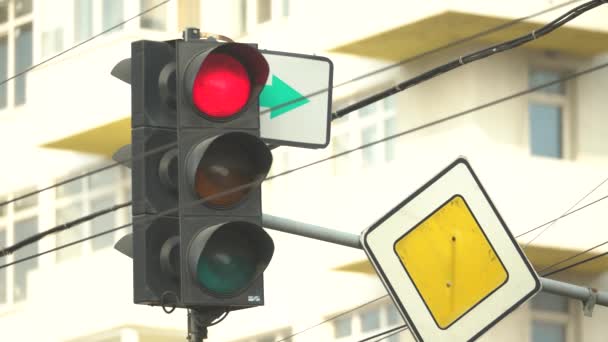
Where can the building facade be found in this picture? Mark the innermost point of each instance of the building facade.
(537, 154)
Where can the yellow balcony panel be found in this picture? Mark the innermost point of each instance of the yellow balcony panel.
(439, 30)
(102, 140)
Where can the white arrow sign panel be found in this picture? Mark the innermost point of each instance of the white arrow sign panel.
(295, 104)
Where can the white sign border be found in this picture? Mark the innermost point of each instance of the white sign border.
(329, 90)
(522, 283)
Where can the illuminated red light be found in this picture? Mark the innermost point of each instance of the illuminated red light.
(221, 87)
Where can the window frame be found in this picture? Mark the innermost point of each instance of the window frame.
(565, 101)
(119, 189)
(7, 224)
(553, 317)
(8, 30)
(353, 126)
(356, 322)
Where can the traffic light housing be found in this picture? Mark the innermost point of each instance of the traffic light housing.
(154, 243)
(221, 163)
(197, 163)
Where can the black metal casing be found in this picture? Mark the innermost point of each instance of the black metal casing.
(197, 129)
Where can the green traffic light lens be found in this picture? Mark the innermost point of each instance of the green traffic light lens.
(226, 267)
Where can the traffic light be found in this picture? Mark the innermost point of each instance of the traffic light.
(221, 163)
(154, 244)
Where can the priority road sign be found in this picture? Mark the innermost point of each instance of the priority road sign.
(296, 101)
(448, 259)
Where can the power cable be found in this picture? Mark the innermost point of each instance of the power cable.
(565, 213)
(64, 226)
(409, 131)
(90, 173)
(357, 78)
(381, 334)
(344, 313)
(472, 57)
(450, 117)
(575, 264)
(454, 44)
(572, 257)
(568, 214)
(82, 43)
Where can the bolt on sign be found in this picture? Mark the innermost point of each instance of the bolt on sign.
(448, 259)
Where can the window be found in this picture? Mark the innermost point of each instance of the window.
(103, 223)
(277, 335)
(99, 191)
(18, 220)
(83, 20)
(390, 128)
(370, 320)
(27, 202)
(264, 10)
(550, 318)
(3, 11)
(65, 214)
(52, 41)
(23, 59)
(548, 115)
(3, 271)
(3, 70)
(369, 135)
(156, 19)
(393, 319)
(343, 327)
(364, 126)
(22, 229)
(113, 13)
(367, 322)
(339, 145)
(23, 7)
(242, 17)
(16, 42)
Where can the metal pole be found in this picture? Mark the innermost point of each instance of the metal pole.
(198, 322)
(588, 295)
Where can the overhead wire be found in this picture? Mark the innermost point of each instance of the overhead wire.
(421, 78)
(390, 331)
(565, 213)
(475, 56)
(562, 216)
(59, 228)
(584, 261)
(92, 172)
(342, 314)
(572, 257)
(357, 78)
(23, 72)
(409, 131)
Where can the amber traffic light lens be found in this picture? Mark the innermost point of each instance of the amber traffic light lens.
(224, 176)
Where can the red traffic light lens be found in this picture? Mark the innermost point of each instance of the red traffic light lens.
(221, 87)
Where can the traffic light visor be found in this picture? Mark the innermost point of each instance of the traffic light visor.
(222, 170)
(225, 259)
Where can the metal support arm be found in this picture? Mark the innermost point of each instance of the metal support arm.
(589, 296)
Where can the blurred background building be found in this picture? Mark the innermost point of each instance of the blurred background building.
(537, 155)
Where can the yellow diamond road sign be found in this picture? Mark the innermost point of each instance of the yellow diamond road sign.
(448, 259)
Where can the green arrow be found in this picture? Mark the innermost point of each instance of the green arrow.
(279, 93)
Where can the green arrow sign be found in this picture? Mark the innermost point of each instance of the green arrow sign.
(279, 93)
